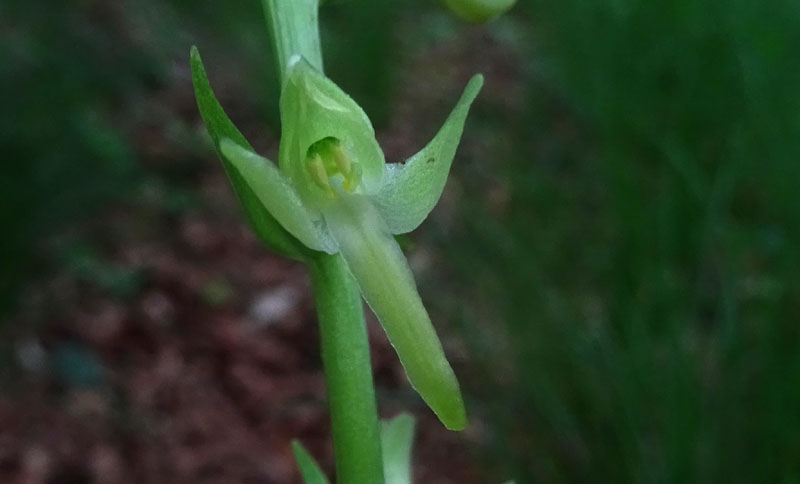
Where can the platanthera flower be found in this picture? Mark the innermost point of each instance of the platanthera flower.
(332, 192)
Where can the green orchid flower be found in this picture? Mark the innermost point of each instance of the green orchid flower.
(332, 192)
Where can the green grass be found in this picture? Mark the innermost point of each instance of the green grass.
(64, 151)
(643, 274)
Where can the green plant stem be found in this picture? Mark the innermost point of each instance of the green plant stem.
(294, 27)
(345, 354)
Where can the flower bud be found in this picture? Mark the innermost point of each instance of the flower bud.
(479, 11)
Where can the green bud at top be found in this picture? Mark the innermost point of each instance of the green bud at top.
(479, 11)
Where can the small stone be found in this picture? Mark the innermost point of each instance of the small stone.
(272, 306)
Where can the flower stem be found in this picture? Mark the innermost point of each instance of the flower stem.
(294, 28)
(345, 354)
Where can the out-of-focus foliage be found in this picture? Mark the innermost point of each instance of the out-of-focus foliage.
(361, 54)
(642, 260)
(74, 83)
(62, 152)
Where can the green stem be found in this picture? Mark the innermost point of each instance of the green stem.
(345, 354)
(294, 27)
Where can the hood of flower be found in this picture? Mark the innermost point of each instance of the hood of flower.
(328, 145)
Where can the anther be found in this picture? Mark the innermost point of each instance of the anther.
(316, 168)
(353, 179)
(342, 161)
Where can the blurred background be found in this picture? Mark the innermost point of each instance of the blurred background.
(614, 267)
